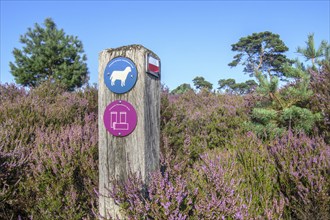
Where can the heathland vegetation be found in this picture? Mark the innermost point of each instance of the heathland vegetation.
(252, 150)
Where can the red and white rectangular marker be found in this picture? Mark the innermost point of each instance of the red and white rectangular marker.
(153, 65)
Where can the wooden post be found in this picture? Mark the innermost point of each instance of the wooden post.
(139, 151)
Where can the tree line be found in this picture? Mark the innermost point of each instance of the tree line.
(50, 55)
(263, 54)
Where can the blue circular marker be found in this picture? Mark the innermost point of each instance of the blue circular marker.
(120, 75)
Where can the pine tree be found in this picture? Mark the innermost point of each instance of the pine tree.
(201, 84)
(310, 52)
(50, 55)
(230, 86)
(278, 108)
(181, 89)
(283, 108)
(261, 52)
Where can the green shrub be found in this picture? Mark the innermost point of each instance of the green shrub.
(301, 119)
(193, 123)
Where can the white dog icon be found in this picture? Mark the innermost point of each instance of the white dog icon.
(120, 75)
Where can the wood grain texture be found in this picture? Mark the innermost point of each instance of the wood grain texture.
(138, 151)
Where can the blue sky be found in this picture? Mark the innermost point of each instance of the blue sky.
(192, 38)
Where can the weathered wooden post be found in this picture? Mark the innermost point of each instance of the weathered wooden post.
(129, 117)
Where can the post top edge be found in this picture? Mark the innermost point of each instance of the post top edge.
(129, 47)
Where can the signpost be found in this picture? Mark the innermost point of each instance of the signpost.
(129, 117)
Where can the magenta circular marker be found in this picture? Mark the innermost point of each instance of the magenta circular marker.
(120, 118)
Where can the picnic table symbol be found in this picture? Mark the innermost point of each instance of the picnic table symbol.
(120, 118)
(118, 123)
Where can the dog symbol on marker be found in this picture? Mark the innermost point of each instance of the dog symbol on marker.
(120, 75)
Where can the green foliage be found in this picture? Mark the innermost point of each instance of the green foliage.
(301, 119)
(267, 86)
(49, 55)
(183, 88)
(280, 109)
(257, 172)
(200, 83)
(232, 87)
(264, 116)
(193, 123)
(260, 52)
(325, 63)
(226, 83)
(310, 52)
